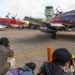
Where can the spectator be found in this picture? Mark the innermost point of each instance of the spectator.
(5, 53)
(29, 69)
(5, 42)
(61, 60)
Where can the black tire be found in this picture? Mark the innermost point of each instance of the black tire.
(53, 35)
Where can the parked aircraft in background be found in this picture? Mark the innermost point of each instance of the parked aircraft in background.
(12, 22)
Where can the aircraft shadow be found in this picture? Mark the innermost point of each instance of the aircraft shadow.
(45, 38)
(66, 37)
(34, 39)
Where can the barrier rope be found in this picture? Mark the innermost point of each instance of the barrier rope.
(29, 54)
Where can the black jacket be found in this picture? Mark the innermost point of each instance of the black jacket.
(50, 69)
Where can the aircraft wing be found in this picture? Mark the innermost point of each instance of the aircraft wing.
(36, 20)
(2, 27)
(44, 27)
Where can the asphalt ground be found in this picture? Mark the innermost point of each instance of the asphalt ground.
(33, 41)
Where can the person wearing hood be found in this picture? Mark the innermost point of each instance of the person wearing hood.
(61, 60)
(5, 42)
(28, 69)
(5, 54)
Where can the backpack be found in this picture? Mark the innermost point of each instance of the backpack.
(16, 71)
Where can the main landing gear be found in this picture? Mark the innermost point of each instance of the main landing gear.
(53, 35)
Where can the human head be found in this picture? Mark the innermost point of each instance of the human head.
(31, 65)
(4, 41)
(61, 57)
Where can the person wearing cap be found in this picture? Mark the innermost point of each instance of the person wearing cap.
(61, 60)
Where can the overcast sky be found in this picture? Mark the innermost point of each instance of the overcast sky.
(34, 8)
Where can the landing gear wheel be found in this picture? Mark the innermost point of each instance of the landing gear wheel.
(53, 35)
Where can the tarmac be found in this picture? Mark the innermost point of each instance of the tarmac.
(27, 41)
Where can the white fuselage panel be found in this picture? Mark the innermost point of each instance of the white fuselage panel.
(56, 24)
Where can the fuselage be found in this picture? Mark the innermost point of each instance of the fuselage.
(59, 23)
(7, 21)
(63, 20)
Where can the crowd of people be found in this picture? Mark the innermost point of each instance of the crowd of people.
(61, 61)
